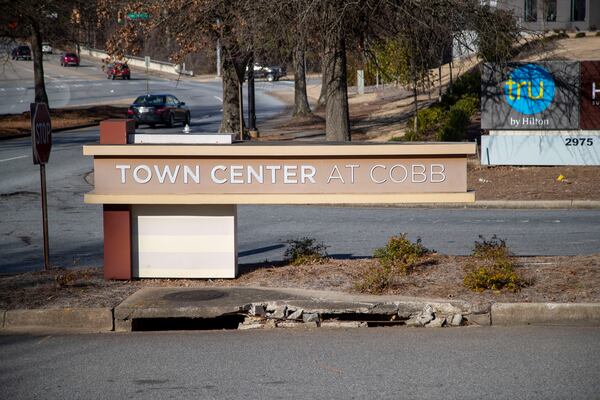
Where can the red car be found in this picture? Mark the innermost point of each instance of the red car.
(69, 59)
(118, 70)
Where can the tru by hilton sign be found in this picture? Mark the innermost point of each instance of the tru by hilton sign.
(551, 95)
(196, 176)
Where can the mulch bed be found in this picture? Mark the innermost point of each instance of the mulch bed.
(555, 279)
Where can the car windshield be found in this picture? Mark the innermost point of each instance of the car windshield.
(150, 100)
(70, 55)
(24, 48)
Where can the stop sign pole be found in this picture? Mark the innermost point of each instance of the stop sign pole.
(41, 141)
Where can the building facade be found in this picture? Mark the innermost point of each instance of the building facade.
(540, 15)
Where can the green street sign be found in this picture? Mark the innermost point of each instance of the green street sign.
(138, 15)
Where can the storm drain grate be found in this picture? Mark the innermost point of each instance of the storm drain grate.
(187, 324)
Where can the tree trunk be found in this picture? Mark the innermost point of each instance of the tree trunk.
(231, 112)
(38, 66)
(301, 106)
(416, 101)
(415, 93)
(337, 118)
(324, 77)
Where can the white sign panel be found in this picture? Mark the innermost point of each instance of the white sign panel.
(579, 149)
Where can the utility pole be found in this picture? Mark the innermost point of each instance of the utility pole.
(251, 105)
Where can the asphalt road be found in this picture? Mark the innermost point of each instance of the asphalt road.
(380, 363)
(76, 228)
(87, 85)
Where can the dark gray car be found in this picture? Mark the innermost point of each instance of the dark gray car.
(152, 109)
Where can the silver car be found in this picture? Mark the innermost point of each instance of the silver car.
(46, 48)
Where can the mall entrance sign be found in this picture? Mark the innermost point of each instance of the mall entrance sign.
(170, 211)
(543, 113)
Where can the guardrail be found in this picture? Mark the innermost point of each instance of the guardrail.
(135, 61)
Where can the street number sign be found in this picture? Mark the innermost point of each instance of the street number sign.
(41, 132)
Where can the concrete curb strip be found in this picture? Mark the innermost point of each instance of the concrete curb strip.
(93, 319)
(546, 314)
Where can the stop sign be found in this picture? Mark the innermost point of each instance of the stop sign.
(41, 132)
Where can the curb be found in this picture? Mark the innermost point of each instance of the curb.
(495, 204)
(89, 319)
(573, 314)
(500, 314)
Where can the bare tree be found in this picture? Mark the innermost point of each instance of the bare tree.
(36, 22)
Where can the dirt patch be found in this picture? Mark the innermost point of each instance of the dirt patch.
(533, 183)
(555, 279)
(16, 125)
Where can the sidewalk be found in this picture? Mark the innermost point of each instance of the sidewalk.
(264, 308)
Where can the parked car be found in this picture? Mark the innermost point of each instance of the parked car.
(46, 48)
(271, 73)
(69, 59)
(21, 53)
(117, 70)
(153, 109)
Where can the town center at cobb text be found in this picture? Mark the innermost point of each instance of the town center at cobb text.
(280, 173)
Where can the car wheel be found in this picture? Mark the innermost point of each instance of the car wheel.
(270, 78)
(137, 125)
(151, 126)
(171, 122)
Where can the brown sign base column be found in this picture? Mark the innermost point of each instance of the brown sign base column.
(117, 241)
(117, 217)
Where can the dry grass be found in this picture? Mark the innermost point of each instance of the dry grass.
(15, 125)
(555, 279)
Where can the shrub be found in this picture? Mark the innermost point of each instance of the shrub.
(468, 103)
(398, 256)
(580, 34)
(400, 253)
(597, 33)
(497, 276)
(411, 136)
(495, 248)
(493, 268)
(455, 128)
(593, 28)
(427, 120)
(304, 251)
(466, 84)
(376, 280)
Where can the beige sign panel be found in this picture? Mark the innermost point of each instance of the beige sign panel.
(345, 176)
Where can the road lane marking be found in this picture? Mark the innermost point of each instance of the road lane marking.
(13, 158)
(218, 98)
